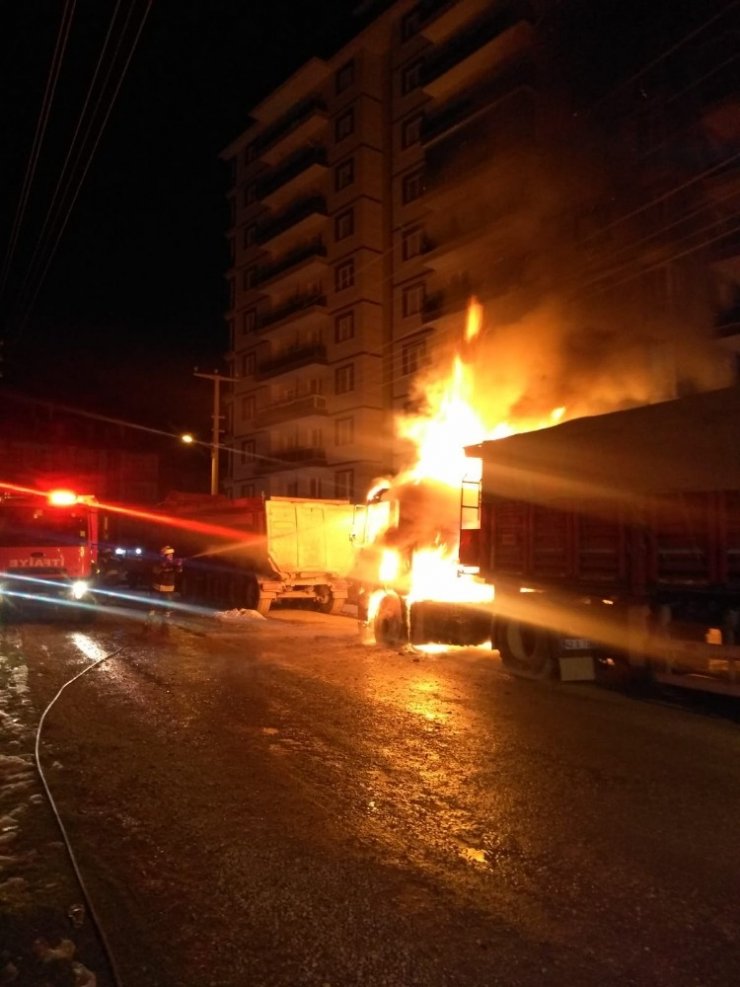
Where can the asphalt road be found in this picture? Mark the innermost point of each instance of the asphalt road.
(274, 803)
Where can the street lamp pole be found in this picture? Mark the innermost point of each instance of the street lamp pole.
(217, 378)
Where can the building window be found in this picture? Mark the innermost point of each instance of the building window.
(413, 299)
(411, 130)
(411, 242)
(249, 277)
(248, 449)
(231, 166)
(250, 193)
(344, 174)
(344, 327)
(410, 24)
(344, 224)
(249, 407)
(411, 77)
(249, 320)
(314, 487)
(413, 357)
(344, 484)
(344, 379)
(249, 364)
(250, 235)
(344, 431)
(232, 250)
(344, 125)
(345, 76)
(232, 292)
(247, 490)
(413, 185)
(250, 153)
(344, 275)
(291, 488)
(232, 210)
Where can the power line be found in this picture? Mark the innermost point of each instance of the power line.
(40, 241)
(23, 321)
(51, 82)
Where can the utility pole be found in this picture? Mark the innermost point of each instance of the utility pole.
(217, 378)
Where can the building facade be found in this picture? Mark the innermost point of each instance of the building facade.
(442, 153)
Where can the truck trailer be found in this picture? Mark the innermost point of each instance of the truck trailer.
(251, 552)
(616, 539)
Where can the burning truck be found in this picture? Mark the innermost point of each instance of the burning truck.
(609, 540)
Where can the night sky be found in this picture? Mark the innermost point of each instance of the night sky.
(134, 295)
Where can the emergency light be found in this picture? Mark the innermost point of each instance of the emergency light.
(62, 498)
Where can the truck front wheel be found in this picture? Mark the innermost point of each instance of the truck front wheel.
(526, 650)
(389, 625)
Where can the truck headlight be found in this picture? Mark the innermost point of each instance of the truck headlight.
(79, 589)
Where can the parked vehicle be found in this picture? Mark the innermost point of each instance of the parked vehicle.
(48, 553)
(610, 539)
(253, 552)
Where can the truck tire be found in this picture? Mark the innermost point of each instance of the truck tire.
(526, 650)
(327, 602)
(252, 596)
(389, 625)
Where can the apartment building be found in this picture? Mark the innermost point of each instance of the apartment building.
(431, 158)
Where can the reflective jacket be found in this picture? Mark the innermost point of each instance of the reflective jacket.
(163, 575)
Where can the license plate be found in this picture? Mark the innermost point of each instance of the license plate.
(575, 644)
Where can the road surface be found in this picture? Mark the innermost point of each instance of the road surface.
(273, 803)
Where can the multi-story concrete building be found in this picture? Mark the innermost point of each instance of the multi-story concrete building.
(431, 157)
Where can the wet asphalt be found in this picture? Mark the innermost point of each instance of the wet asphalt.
(272, 802)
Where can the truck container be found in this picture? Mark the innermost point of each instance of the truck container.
(250, 552)
(616, 539)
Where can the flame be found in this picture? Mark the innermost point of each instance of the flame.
(454, 417)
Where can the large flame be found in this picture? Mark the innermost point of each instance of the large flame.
(453, 418)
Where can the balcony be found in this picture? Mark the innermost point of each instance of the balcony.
(474, 52)
(299, 406)
(305, 167)
(442, 18)
(291, 359)
(300, 456)
(306, 217)
(472, 105)
(301, 124)
(298, 305)
(299, 258)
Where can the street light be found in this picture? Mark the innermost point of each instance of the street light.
(216, 377)
(187, 439)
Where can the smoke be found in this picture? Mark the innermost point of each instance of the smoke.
(587, 254)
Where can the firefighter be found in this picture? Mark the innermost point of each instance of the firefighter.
(164, 576)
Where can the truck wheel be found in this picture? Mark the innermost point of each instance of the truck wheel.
(250, 591)
(389, 625)
(326, 602)
(526, 650)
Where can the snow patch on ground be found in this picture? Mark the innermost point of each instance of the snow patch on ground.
(239, 615)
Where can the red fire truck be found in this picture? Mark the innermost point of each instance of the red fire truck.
(48, 553)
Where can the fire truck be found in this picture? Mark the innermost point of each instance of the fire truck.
(48, 553)
(612, 542)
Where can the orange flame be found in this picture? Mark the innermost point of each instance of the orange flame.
(453, 419)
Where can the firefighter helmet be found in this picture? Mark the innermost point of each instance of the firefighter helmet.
(167, 550)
